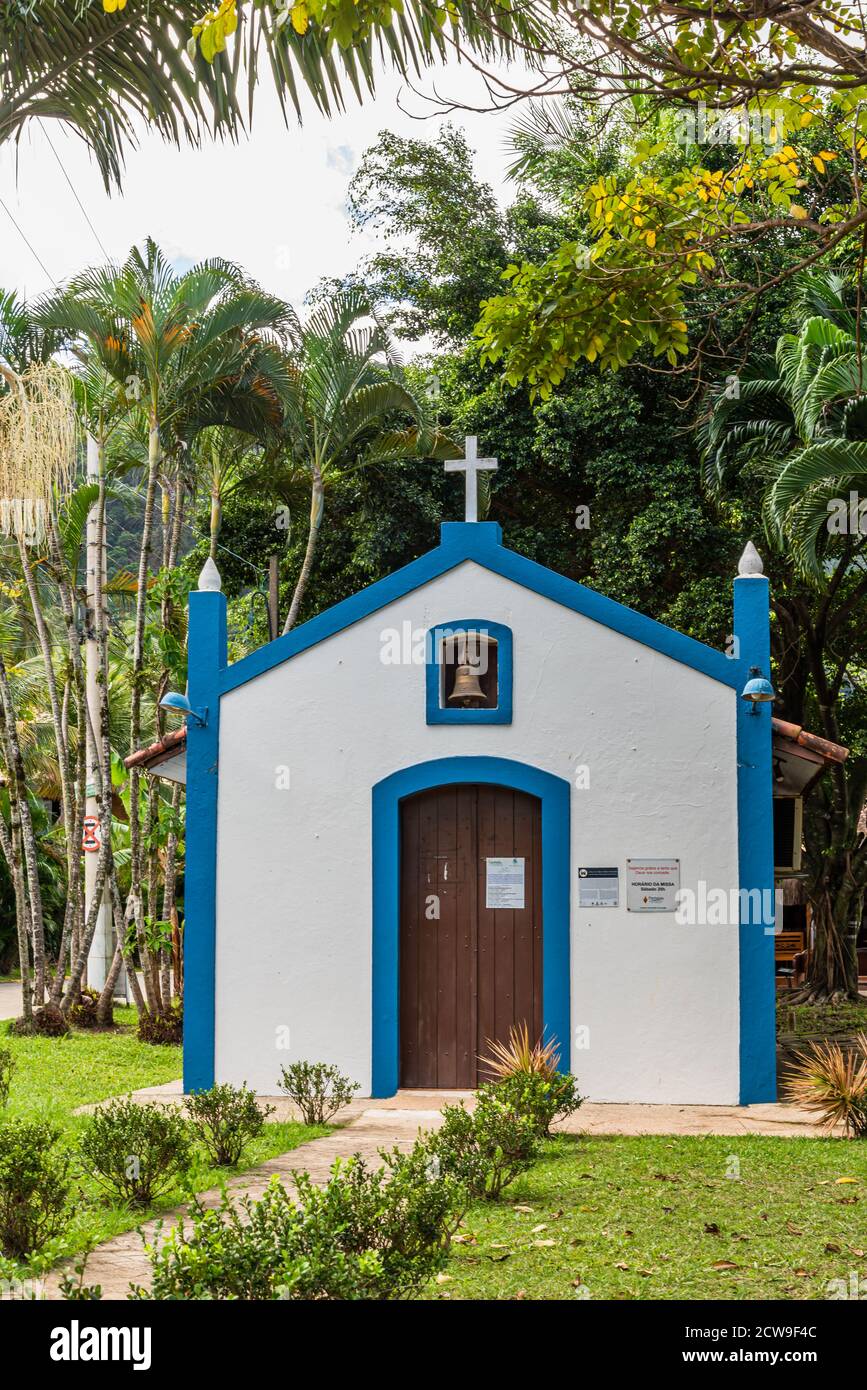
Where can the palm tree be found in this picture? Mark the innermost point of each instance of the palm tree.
(796, 424)
(224, 460)
(97, 70)
(182, 352)
(346, 407)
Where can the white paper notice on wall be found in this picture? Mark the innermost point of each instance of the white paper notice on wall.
(598, 887)
(652, 885)
(504, 883)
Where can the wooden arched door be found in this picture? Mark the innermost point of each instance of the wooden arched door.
(468, 970)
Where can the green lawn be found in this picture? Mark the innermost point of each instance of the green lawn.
(53, 1077)
(611, 1217)
(832, 1020)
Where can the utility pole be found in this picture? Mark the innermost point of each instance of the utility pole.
(102, 947)
(273, 596)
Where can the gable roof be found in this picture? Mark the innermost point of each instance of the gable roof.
(481, 542)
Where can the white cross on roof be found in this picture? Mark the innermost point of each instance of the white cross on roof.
(471, 466)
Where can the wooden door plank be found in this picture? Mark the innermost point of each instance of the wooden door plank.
(408, 953)
(538, 1016)
(486, 953)
(465, 941)
(446, 935)
(504, 922)
(525, 983)
(427, 947)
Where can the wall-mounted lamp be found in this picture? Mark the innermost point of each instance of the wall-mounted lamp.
(179, 704)
(758, 690)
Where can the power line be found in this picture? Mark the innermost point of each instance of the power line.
(74, 194)
(28, 244)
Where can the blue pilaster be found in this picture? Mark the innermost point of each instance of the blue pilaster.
(206, 662)
(755, 848)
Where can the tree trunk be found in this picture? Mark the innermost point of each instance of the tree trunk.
(10, 842)
(170, 911)
(106, 998)
(70, 936)
(54, 701)
(317, 503)
(101, 764)
(18, 795)
(832, 963)
(135, 707)
(216, 517)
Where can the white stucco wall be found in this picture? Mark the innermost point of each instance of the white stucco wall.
(660, 999)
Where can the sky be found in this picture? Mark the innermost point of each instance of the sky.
(275, 203)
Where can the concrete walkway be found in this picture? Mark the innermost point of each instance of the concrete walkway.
(371, 1125)
(10, 1000)
(594, 1117)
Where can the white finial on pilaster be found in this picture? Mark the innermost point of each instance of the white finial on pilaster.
(750, 564)
(209, 579)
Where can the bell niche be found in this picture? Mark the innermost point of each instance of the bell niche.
(470, 670)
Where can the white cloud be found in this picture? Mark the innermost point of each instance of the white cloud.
(275, 202)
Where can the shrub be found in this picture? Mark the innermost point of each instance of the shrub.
(7, 1067)
(34, 1185)
(225, 1119)
(83, 1012)
(163, 1029)
(318, 1089)
(136, 1152)
(368, 1234)
(520, 1056)
(833, 1084)
(543, 1099)
(49, 1022)
(484, 1150)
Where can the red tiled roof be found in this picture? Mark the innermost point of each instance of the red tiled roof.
(166, 747)
(829, 752)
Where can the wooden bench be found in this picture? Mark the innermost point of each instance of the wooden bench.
(790, 956)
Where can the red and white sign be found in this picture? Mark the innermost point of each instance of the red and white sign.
(90, 840)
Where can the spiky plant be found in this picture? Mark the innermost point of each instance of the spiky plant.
(521, 1057)
(37, 446)
(832, 1084)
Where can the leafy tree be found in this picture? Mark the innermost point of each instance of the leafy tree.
(162, 357)
(786, 91)
(98, 68)
(796, 427)
(99, 65)
(344, 408)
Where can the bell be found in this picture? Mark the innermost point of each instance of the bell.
(466, 689)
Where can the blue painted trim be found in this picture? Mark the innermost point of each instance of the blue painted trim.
(554, 794)
(206, 661)
(437, 713)
(481, 542)
(758, 1079)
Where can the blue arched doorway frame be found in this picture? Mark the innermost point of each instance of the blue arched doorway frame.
(554, 794)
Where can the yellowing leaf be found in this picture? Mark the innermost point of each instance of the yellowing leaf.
(300, 19)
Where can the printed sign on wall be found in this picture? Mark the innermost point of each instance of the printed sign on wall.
(652, 885)
(598, 887)
(504, 883)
